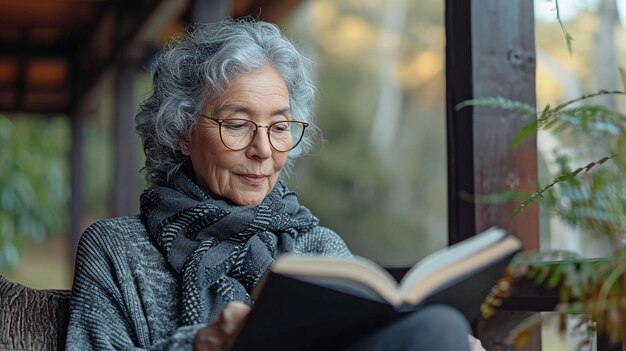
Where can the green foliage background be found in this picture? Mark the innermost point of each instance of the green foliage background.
(389, 207)
(33, 182)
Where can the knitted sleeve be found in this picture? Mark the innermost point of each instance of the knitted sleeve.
(321, 241)
(106, 312)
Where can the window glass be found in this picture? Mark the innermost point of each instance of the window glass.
(379, 177)
(598, 49)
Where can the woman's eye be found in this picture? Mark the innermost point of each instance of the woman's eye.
(280, 127)
(235, 125)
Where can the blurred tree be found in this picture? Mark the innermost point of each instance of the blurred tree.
(379, 179)
(33, 182)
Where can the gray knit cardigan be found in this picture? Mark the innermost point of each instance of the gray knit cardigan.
(126, 296)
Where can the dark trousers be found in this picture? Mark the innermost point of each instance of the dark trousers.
(436, 328)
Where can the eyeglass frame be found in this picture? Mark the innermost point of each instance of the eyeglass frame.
(219, 122)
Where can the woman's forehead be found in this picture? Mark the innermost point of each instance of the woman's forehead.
(259, 89)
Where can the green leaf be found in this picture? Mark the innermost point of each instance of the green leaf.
(585, 97)
(527, 131)
(542, 274)
(496, 198)
(561, 178)
(556, 277)
(568, 37)
(514, 106)
(33, 182)
(9, 255)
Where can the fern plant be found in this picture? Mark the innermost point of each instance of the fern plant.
(590, 197)
(593, 201)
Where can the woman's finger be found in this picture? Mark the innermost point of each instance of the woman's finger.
(233, 316)
(220, 334)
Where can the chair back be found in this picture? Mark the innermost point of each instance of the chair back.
(32, 319)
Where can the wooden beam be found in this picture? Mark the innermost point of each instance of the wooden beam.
(20, 84)
(266, 10)
(43, 111)
(26, 48)
(48, 14)
(142, 25)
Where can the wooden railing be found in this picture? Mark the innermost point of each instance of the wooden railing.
(531, 297)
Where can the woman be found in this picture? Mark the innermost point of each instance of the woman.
(230, 110)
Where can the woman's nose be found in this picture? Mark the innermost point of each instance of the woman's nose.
(261, 146)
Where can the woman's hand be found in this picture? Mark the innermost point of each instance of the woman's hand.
(220, 333)
(475, 344)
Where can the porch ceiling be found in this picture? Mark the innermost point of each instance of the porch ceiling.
(54, 53)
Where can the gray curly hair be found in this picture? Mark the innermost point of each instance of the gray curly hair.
(202, 63)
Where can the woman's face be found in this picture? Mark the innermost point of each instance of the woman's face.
(244, 177)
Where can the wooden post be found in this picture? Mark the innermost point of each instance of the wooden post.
(125, 195)
(604, 344)
(483, 62)
(490, 51)
(459, 128)
(76, 183)
(206, 11)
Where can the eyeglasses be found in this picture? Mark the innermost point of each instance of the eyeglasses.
(237, 134)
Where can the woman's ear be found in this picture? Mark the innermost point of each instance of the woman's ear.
(184, 147)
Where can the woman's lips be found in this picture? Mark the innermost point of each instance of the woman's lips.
(253, 178)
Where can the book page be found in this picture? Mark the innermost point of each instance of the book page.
(359, 269)
(417, 289)
(451, 254)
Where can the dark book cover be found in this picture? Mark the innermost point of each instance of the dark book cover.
(291, 314)
(295, 314)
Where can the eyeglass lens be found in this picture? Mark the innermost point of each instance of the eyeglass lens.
(238, 134)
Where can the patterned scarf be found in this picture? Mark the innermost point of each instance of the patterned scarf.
(220, 250)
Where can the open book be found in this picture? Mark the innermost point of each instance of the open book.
(312, 302)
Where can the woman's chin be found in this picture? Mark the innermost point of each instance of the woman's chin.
(249, 197)
(248, 193)
(249, 200)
